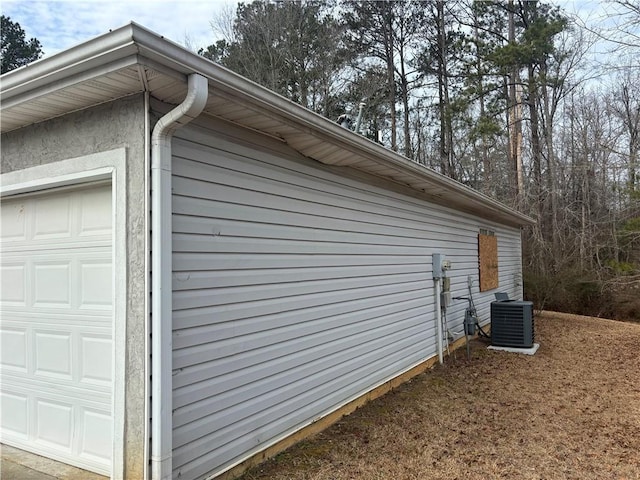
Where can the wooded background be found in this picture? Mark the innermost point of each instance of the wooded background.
(517, 99)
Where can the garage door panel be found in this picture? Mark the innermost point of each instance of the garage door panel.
(14, 348)
(95, 361)
(74, 278)
(54, 248)
(95, 213)
(54, 423)
(13, 278)
(13, 222)
(90, 321)
(58, 219)
(95, 284)
(57, 322)
(53, 355)
(51, 217)
(87, 395)
(95, 440)
(17, 423)
(52, 284)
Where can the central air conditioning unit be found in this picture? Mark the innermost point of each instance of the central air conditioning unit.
(512, 324)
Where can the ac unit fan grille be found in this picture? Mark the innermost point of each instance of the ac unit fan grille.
(512, 324)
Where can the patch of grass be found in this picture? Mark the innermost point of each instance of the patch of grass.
(315, 449)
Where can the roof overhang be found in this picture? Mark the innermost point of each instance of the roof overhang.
(132, 59)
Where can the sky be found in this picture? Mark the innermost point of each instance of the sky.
(61, 24)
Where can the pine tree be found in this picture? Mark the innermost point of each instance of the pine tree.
(293, 48)
(15, 50)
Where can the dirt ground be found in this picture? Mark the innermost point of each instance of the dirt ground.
(571, 411)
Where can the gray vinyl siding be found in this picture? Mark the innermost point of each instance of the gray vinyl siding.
(297, 289)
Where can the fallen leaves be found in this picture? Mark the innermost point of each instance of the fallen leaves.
(572, 411)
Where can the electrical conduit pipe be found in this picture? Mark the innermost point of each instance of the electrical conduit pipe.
(161, 273)
(438, 317)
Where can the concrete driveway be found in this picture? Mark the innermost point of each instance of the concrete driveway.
(20, 465)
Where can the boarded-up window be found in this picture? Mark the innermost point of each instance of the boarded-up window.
(488, 260)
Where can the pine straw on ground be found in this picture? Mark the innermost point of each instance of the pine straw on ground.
(572, 411)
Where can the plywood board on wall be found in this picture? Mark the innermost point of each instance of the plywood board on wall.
(488, 261)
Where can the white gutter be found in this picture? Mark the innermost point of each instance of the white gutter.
(161, 274)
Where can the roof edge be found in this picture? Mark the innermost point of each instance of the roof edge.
(112, 45)
(223, 78)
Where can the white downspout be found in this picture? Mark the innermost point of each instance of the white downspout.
(147, 283)
(161, 273)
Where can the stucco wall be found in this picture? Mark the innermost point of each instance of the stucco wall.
(102, 128)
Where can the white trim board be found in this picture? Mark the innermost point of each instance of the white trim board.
(109, 165)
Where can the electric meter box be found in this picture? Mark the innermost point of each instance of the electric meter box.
(440, 265)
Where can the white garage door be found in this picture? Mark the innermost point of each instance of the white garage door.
(56, 306)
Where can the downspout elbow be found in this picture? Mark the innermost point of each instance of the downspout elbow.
(189, 109)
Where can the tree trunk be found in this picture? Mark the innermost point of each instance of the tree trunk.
(515, 118)
(404, 93)
(391, 78)
(487, 184)
(632, 121)
(446, 134)
(551, 171)
(536, 148)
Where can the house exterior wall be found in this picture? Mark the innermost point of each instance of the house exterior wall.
(299, 287)
(106, 127)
